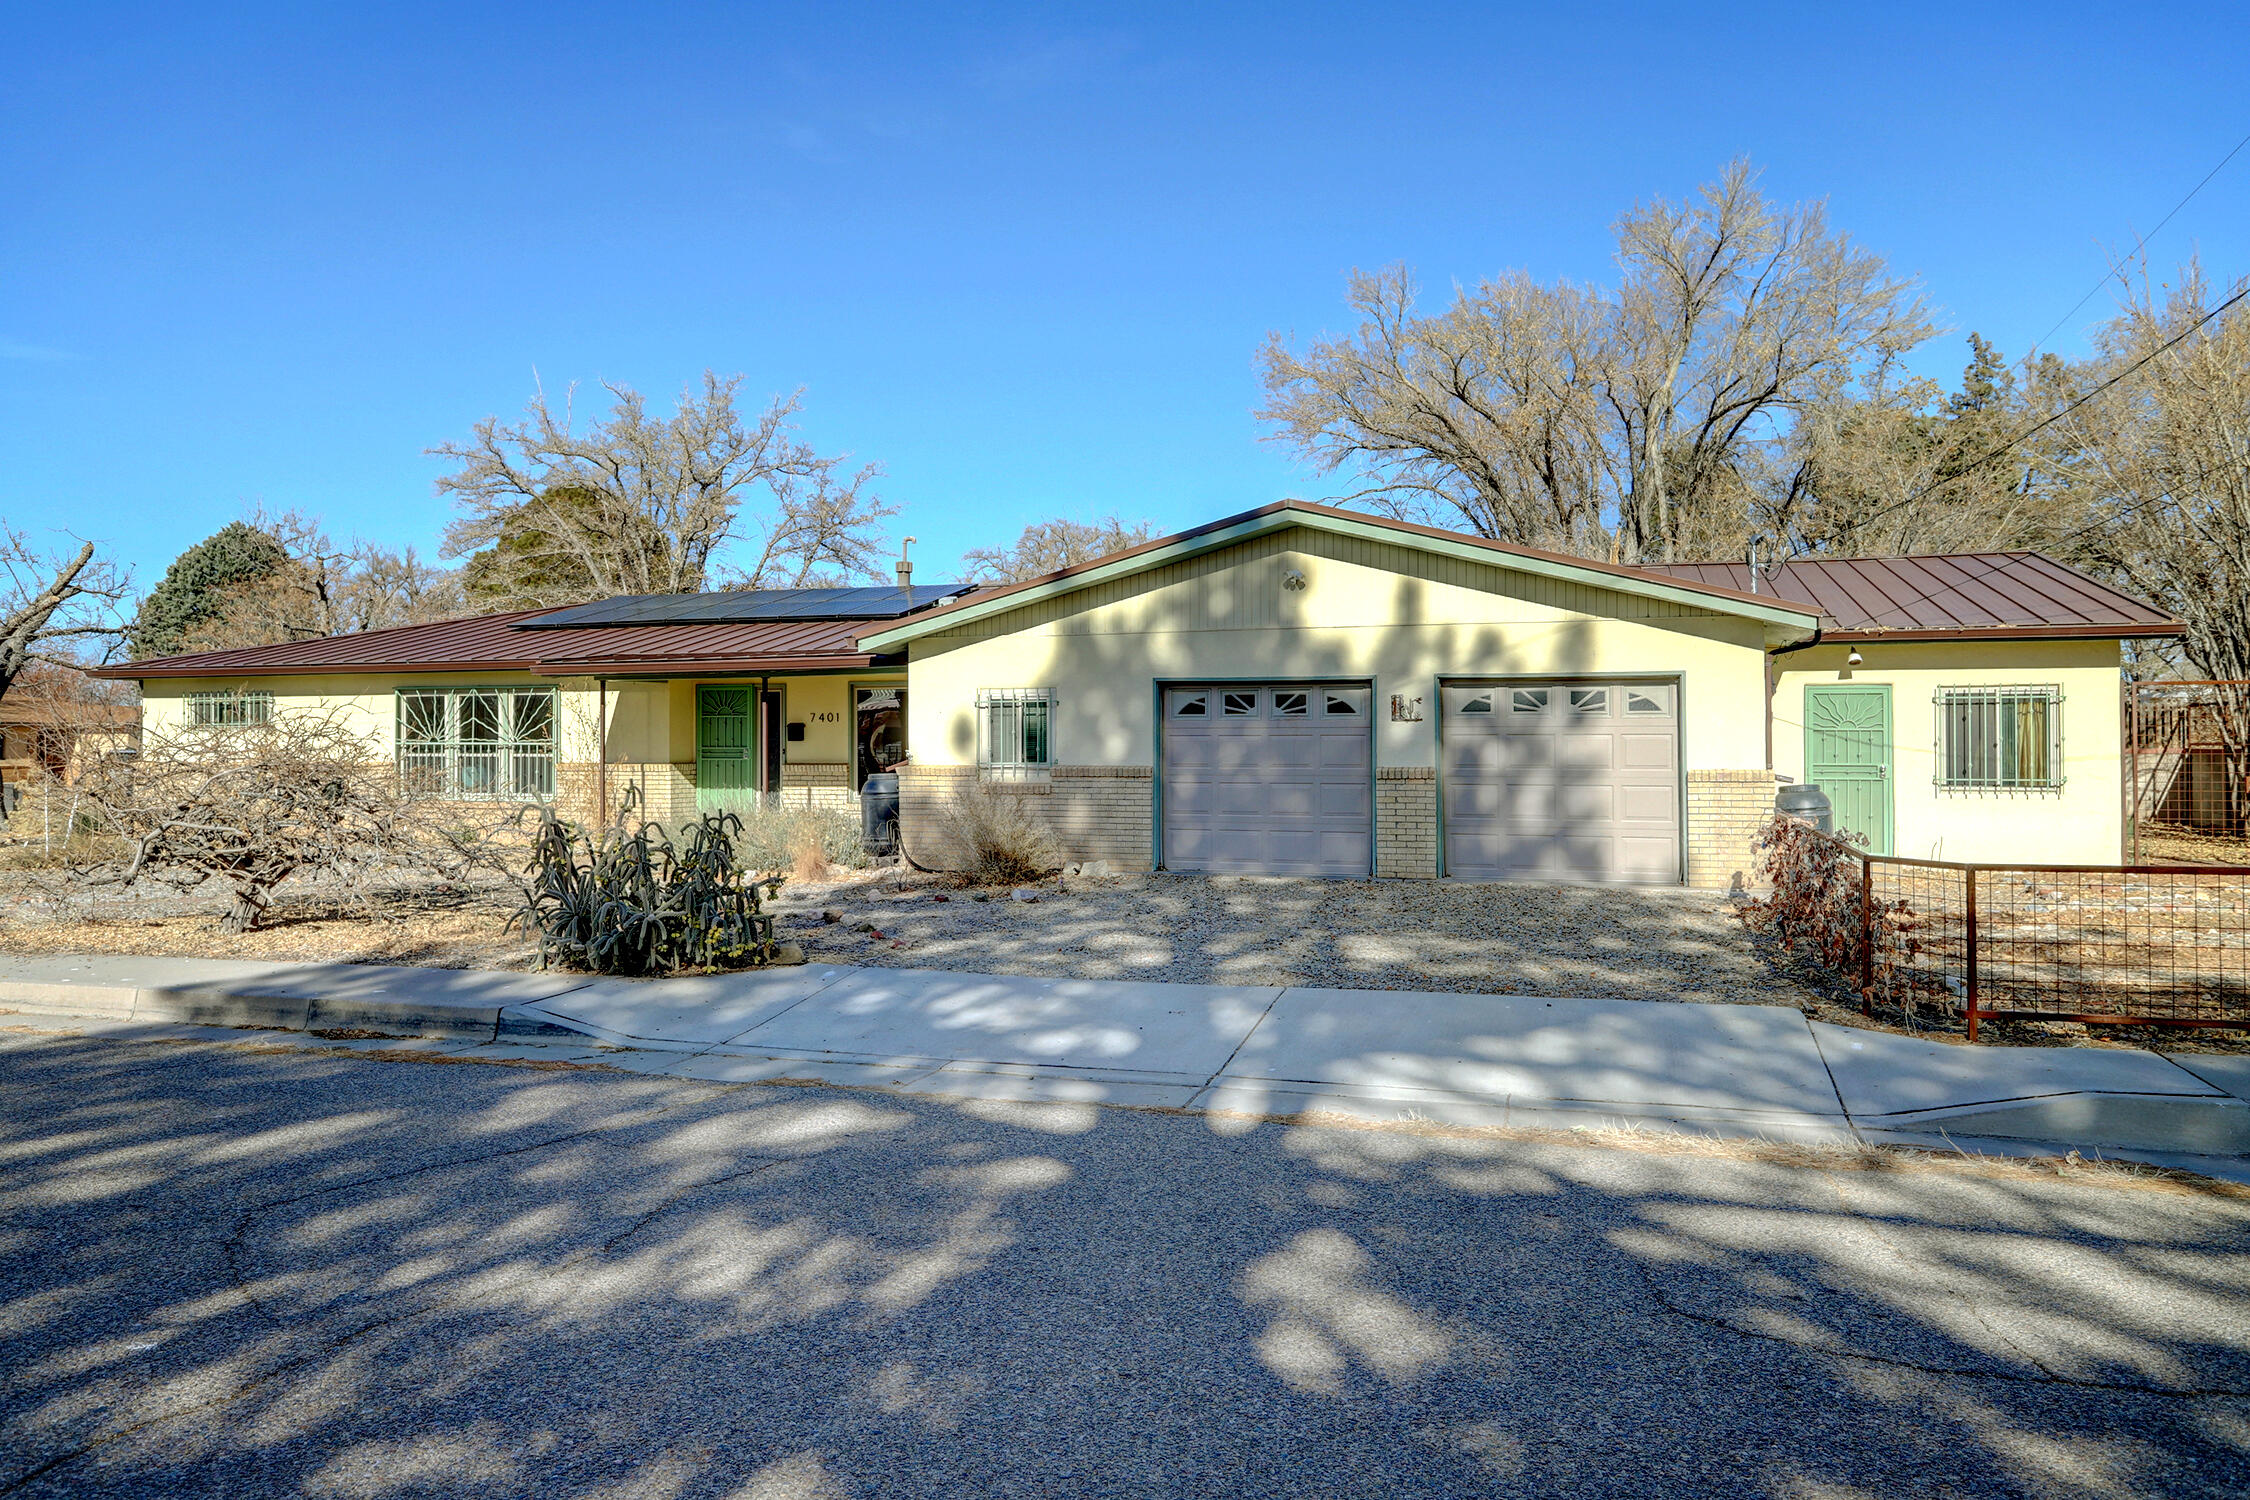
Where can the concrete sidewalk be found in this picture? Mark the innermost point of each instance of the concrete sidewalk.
(1383, 1055)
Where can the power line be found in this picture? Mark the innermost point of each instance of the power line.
(2049, 421)
(2138, 242)
(2072, 535)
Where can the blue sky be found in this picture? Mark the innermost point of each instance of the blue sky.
(1021, 257)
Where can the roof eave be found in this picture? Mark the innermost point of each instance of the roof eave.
(2010, 633)
(1270, 518)
(620, 666)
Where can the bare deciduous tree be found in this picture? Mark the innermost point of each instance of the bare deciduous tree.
(322, 589)
(53, 606)
(634, 504)
(249, 806)
(1601, 421)
(2166, 479)
(1050, 546)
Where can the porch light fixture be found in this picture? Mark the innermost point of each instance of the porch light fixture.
(1853, 659)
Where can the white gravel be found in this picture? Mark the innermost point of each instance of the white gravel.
(1632, 944)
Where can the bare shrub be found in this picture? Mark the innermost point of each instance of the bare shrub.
(1816, 904)
(249, 806)
(1000, 842)
(811, 843)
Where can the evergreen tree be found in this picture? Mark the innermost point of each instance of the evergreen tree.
(199, 583)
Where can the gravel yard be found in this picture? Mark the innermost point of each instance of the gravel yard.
(1518, 939)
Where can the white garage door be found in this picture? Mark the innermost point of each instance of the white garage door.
(1268, 780)
(1563, 780)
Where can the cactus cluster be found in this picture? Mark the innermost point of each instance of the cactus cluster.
(634, 904)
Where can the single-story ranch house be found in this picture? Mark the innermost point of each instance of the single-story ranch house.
(1295, 690)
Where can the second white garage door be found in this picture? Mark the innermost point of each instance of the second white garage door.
(1563, 780)
(1268, 780)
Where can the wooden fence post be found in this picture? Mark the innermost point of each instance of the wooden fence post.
(1971, 875)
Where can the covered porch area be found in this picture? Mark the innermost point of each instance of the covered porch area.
(669, 749)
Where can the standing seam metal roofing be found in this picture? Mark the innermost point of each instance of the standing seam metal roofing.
(494, 643)
(1963, 594)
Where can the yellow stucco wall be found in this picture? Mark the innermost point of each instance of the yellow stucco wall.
(1398, 615)
(368, 703)
(2079, 823)
(650, 720)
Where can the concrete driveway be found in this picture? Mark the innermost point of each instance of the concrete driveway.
(227, 1272)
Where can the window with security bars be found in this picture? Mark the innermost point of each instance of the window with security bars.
(1015, 730)
(229, 710)
(2000, 738)
(478, 742)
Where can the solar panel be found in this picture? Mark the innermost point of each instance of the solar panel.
(744, 606)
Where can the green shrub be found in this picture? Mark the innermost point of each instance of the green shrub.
(633, 904)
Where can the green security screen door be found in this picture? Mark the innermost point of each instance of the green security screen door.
(1848, 756)
(726, 741)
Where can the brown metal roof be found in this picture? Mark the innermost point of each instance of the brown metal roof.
(1970, 595)
(489, 643)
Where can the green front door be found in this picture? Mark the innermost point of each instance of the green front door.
(726, 747)
(1848, 756)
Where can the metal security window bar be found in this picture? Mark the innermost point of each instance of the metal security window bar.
(1013, 730)
(478, 742)
(2000, 738)
(229, 710)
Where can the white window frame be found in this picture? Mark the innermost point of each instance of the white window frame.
(1005, 742)
(229, 710)
(506, 768)
(1988, 713)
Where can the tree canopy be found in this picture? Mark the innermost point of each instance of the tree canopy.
(199, 583)
(1630, 421)
(631, 503)
(1047, 546)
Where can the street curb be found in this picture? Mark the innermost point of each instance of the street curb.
(255, 1009)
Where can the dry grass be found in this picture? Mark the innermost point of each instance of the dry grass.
(433, 932)
(2169, 844)
(1001, 843)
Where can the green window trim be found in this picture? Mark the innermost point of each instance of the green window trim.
(479, 743)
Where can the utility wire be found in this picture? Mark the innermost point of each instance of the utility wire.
(2049, 421)
(2138, 242)
(2069, 536)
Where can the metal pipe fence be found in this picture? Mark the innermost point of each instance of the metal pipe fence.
(2148, 945)
(2187, 772)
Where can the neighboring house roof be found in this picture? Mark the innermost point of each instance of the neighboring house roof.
(39, 713)
(495, 643)
(1788, 614)
(1963, 596)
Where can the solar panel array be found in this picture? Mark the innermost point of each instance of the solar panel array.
(744, 606)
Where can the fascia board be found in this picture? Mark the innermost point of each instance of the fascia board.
(1646, 587)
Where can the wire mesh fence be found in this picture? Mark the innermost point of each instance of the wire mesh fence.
(2187, 784)
(2146, 944)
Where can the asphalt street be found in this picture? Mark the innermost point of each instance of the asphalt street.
(242, 1273)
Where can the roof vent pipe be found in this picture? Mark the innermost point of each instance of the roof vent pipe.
(905, 569)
